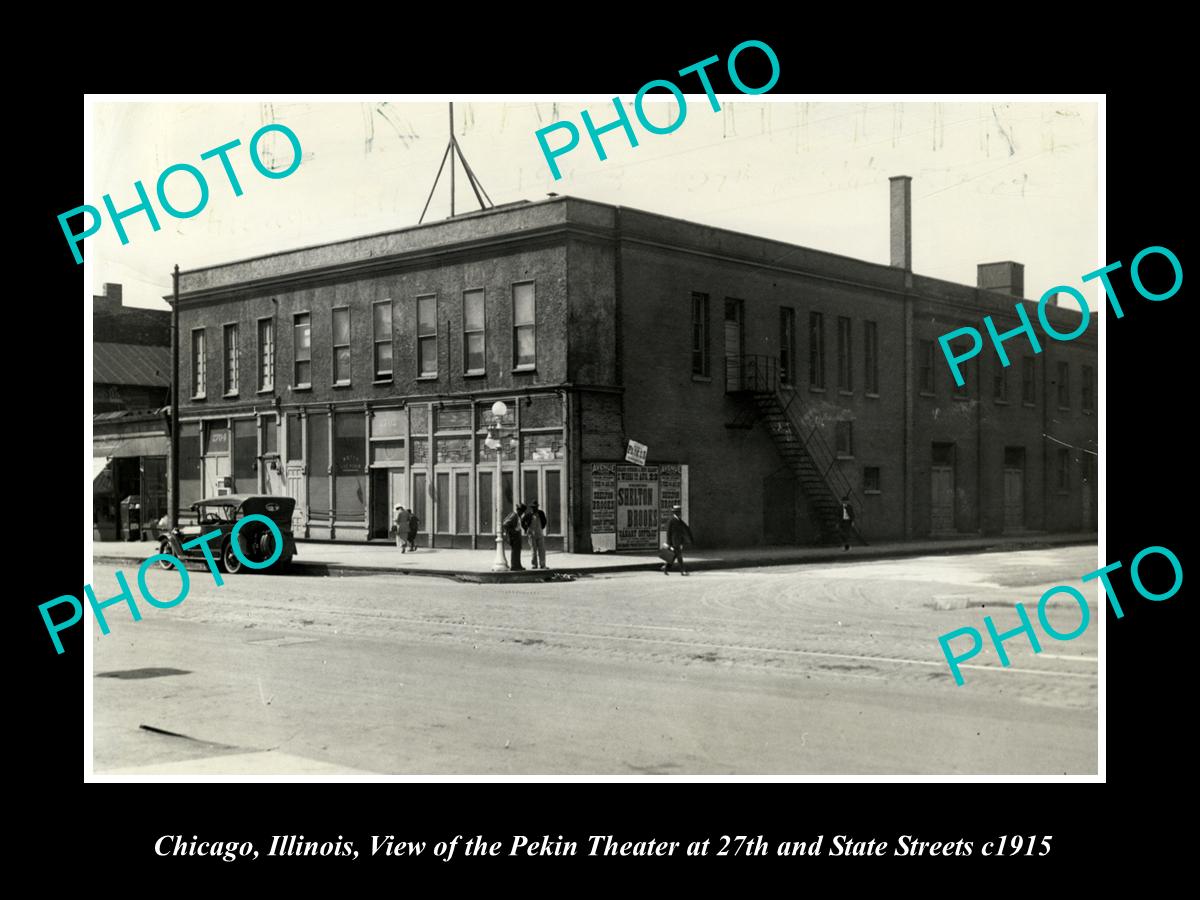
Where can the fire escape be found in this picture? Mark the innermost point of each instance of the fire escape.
(755, 381)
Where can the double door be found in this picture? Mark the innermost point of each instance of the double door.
(388, 487)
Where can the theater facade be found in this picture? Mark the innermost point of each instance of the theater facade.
(766, 381)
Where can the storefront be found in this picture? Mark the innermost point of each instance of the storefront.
(348, 467)
(631, 504)
(129, 486)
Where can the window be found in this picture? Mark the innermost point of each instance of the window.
(230, 336)
(871, 357)
(1000, 384)
(787, 345)
(427, 343)
(473, 344)
(198, 374)
(266, 354)
(843, 438)
(245, 455)
(816, 350)
(966, 371)
(341, 345)
(1089, 389)
(349, 461)
(301, 336)
(871, 480)
(1029, 381)
(381, 325)
(1064, 385)
(524, 327)
(700, 335)
(925, 366)
(845, 368)
(1064, 470)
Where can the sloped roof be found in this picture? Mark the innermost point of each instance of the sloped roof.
(131, 364)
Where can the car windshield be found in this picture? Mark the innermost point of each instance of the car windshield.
(217, 513)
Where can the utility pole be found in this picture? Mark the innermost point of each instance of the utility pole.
(173, 484)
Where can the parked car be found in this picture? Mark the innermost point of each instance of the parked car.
(255, 539)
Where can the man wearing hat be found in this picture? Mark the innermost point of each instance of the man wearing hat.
(534, 523)
(677, 532)
(401, 527)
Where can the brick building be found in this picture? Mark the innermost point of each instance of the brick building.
(766, 379)
(131, 370)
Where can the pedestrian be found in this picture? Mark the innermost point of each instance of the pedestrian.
(847, 521)
(413, 525)
(512, 532)
(534, 523)
(400, 527)
(677, 532)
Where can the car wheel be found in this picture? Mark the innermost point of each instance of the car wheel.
(232, 564)
(164, 548)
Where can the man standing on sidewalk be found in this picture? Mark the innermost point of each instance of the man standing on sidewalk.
(512, 532)
(677, 531)
(534, 522)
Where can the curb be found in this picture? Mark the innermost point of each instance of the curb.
(569, 573)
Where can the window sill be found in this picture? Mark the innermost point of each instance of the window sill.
(229, 395)
(701, 379)
(872, 396)
(1064, 409)
(266, 390)
(844, 456)
(382, 380)
(340, 385)
(432, 377)
(844, 393)
(957, 396)
(301, 387)
(1001, 402)
(816, 390)
(475, 373)
(872, 493)
(199, 397)
(930, 394)
(519, 369)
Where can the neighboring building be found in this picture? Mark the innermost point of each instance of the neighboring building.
(766, 379)
(131, 370)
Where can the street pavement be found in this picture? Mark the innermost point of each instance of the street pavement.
(802, 669)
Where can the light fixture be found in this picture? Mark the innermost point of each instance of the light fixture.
(499, 409)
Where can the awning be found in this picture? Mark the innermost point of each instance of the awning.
(102, 482)
(159, 445)
(99, 464)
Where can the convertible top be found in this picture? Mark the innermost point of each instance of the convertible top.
(236, 499)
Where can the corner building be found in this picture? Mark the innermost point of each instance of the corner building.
(767, 380)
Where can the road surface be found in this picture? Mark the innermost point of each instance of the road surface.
(816, 669)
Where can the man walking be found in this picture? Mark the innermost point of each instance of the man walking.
(534, 522)
(512, 531)
(677, 532)
(847, 523)
(400, 527)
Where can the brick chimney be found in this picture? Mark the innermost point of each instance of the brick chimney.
(113, 292)
(1003, 277)
(901, 221)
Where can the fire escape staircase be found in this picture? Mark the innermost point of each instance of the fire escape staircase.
(756, 381)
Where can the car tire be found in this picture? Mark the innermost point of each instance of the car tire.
(164, 548)
(229, 560)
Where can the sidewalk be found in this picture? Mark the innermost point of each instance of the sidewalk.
(322, 558)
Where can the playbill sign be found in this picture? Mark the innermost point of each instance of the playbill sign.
(630, 504)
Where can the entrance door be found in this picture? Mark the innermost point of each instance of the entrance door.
(733, 345)
(779, 508)
(1014, 488)
(388, 487)
(941, 482)
(216, 470)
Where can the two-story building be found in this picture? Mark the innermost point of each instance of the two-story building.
(767, 380)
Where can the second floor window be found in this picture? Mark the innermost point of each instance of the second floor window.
(1089, 389)
(871, 357)
(787, 345)
(524, 326)
(1029, 381)
(473, 355)
(1000, 384)
(302, 336)
(198, 373)
(341, 345)
(843, 438)
(1064, 385)
(381, 324)
(925, 367)
(700, 334)
(427, 337)
(231, 359)
(845, 366)
(816, 350)
(266, 354)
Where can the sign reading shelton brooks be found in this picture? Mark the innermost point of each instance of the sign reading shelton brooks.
(637, 508)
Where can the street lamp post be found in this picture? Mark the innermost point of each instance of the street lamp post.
(493, 442)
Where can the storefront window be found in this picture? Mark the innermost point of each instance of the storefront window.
(189, 464)
(349, 453)
(553, 504)
(540, 447)
(318, 466)
(245, 455)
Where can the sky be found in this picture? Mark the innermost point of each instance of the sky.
(991, 180)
